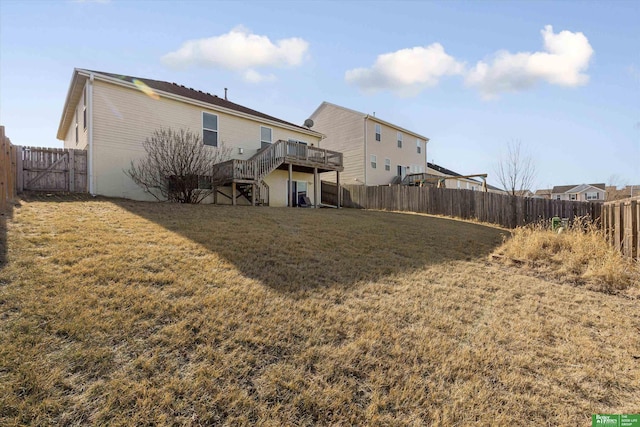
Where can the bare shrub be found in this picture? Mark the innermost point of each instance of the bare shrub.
(178, 167)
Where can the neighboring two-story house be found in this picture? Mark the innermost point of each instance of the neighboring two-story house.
(375, 152)
(272, 161)
(582, 192)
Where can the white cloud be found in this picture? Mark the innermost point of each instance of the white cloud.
(564, 61)
(239, 50)
(406, 71)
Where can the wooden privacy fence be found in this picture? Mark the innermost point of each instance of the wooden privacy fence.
(621, 224)
(7, 171)
(51, 169)
(504, 210)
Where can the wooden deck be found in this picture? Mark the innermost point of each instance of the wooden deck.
(247, 176)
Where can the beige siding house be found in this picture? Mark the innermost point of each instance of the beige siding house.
(111, 115)
(581, 193)
(375, 152)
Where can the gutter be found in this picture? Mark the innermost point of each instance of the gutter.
(90, 174)
(365, 149)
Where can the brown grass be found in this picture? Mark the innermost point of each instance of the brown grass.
(578, 255)
(124, 313)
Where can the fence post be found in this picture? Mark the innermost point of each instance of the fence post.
(631, 226)
(19, 169)
(72, 168)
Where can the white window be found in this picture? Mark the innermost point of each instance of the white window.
(418, 146)
(572, 197)
(593, 196)
(558, 197)
(374, 161)
(84, 108)
(378, 133)
(210, 129)
(76, 126)
(399, 139)
(387, 164)
(266, 136)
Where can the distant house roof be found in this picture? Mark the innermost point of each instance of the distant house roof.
(560, 189)
(444, 170)
(449, 172)
(543, 192)
(173, 89)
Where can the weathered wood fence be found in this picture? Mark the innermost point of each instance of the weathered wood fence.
(500, 209)
(8, 174)
(621, 225)
(51, 169)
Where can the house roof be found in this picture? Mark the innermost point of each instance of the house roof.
(560, 189)
(543, 192)
(161, 88)
(445, 170)
(451, 173)
(370, 117)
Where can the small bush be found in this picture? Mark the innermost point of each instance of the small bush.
(578, 254)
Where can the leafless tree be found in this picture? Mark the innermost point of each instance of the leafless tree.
(516, 170)
(178, 167)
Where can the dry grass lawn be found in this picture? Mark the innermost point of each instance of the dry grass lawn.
(123, 313)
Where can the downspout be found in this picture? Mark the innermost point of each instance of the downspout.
(365, 149)
(90, 135)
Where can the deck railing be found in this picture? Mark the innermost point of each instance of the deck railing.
(266, 161)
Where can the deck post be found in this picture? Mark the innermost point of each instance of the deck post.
(233, 193)
(253, 194)
(215, 195)
(338, 188)
(316, 184)
(290, 185)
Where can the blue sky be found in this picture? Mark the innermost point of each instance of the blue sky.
(561, 77)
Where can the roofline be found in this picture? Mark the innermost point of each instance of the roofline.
(374, 118)
(74, 79)
(186, 100)
(586, 188)
(576, 186)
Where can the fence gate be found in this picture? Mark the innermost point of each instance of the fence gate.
(51, 169)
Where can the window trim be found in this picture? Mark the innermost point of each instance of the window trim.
(373, 161)
(378, 130)
(399, 138)
(593, 193)
(217, 131)
(387, 165)
(418, 146)
(84, 108)
(271, 135)
(76, 126)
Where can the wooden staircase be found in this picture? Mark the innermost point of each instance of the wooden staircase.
(248, 175)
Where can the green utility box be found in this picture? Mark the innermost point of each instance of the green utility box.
(556, 223)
